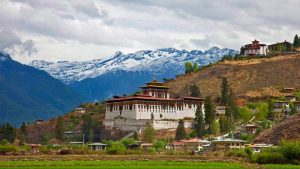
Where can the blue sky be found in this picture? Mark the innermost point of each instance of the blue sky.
(84, 30)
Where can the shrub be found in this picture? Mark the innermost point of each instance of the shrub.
(236, 153)
(268, 158)
(290, 149)
(65, 152)
(127, 141)
(116, 148)
(5, 149)
(159, 145)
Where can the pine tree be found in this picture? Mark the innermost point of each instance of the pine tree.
(195, 91)
(59, 130)
(149, 134)
(180, 131)
(210, 111)
(198, 123)
(224, 90)
(242, 51)
(296, 41)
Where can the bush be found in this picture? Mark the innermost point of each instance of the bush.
(5, 149)
(290, 149)
(65, 152)
(160, 145)
(236, 153)
(268, 158)
(116, 148)
(127, 141)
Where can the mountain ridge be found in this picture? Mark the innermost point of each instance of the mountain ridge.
(151, 60)
(28, 94)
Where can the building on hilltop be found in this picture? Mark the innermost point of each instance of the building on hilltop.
(154, 104)
(255, 48)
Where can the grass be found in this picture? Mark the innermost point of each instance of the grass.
(281, 166)
(115, 165)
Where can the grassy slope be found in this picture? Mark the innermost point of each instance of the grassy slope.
(251, 78)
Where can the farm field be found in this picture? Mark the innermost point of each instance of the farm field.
(116, 165)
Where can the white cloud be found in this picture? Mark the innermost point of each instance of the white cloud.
(83, 30)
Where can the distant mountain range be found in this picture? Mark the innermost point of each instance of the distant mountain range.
(28, 94)
(124, 73)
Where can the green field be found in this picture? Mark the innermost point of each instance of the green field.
(133, 164)
(116, 165)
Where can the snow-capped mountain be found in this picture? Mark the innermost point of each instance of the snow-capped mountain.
(158, 62)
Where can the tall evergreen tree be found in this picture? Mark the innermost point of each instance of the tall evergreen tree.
(296, 41)
(232, 104)
(195, 91)
(59, 128)
(180, 131)
(86, 126)
(224, 90)
(224, 124)
(23, 133)
(210, 111)
(242, 51)
(198, 123)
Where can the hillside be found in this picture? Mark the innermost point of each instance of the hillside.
(288, 129)
(28, 94)
(252, 79)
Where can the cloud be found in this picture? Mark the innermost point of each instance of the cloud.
(90, 29)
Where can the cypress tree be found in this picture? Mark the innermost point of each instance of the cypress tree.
(180, 131)
(23, 133)
(232, 104)
(195, 91)
(296, 41)
(210, 111)
(224, 91)
(195, 67)
(199, 124)
(59, 130)
(224, 124)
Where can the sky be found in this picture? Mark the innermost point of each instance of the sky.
(77, 30)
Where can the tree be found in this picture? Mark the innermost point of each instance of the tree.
(86, 127)
(215, 127)
(135, 136)
(296, 41)
(242, 51)
(210, 111)
(195, 67)
(232, 104)
(246, 114)
(59, 128)
(188, 67)
(271, 113)
(180, 131)
(23, 133)
(149, 133)
(195, 91)
(293, 108)
(198, 123)
(7, 132)
(224, 90)
(224, 124)
(261, 111)
(228, 114)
